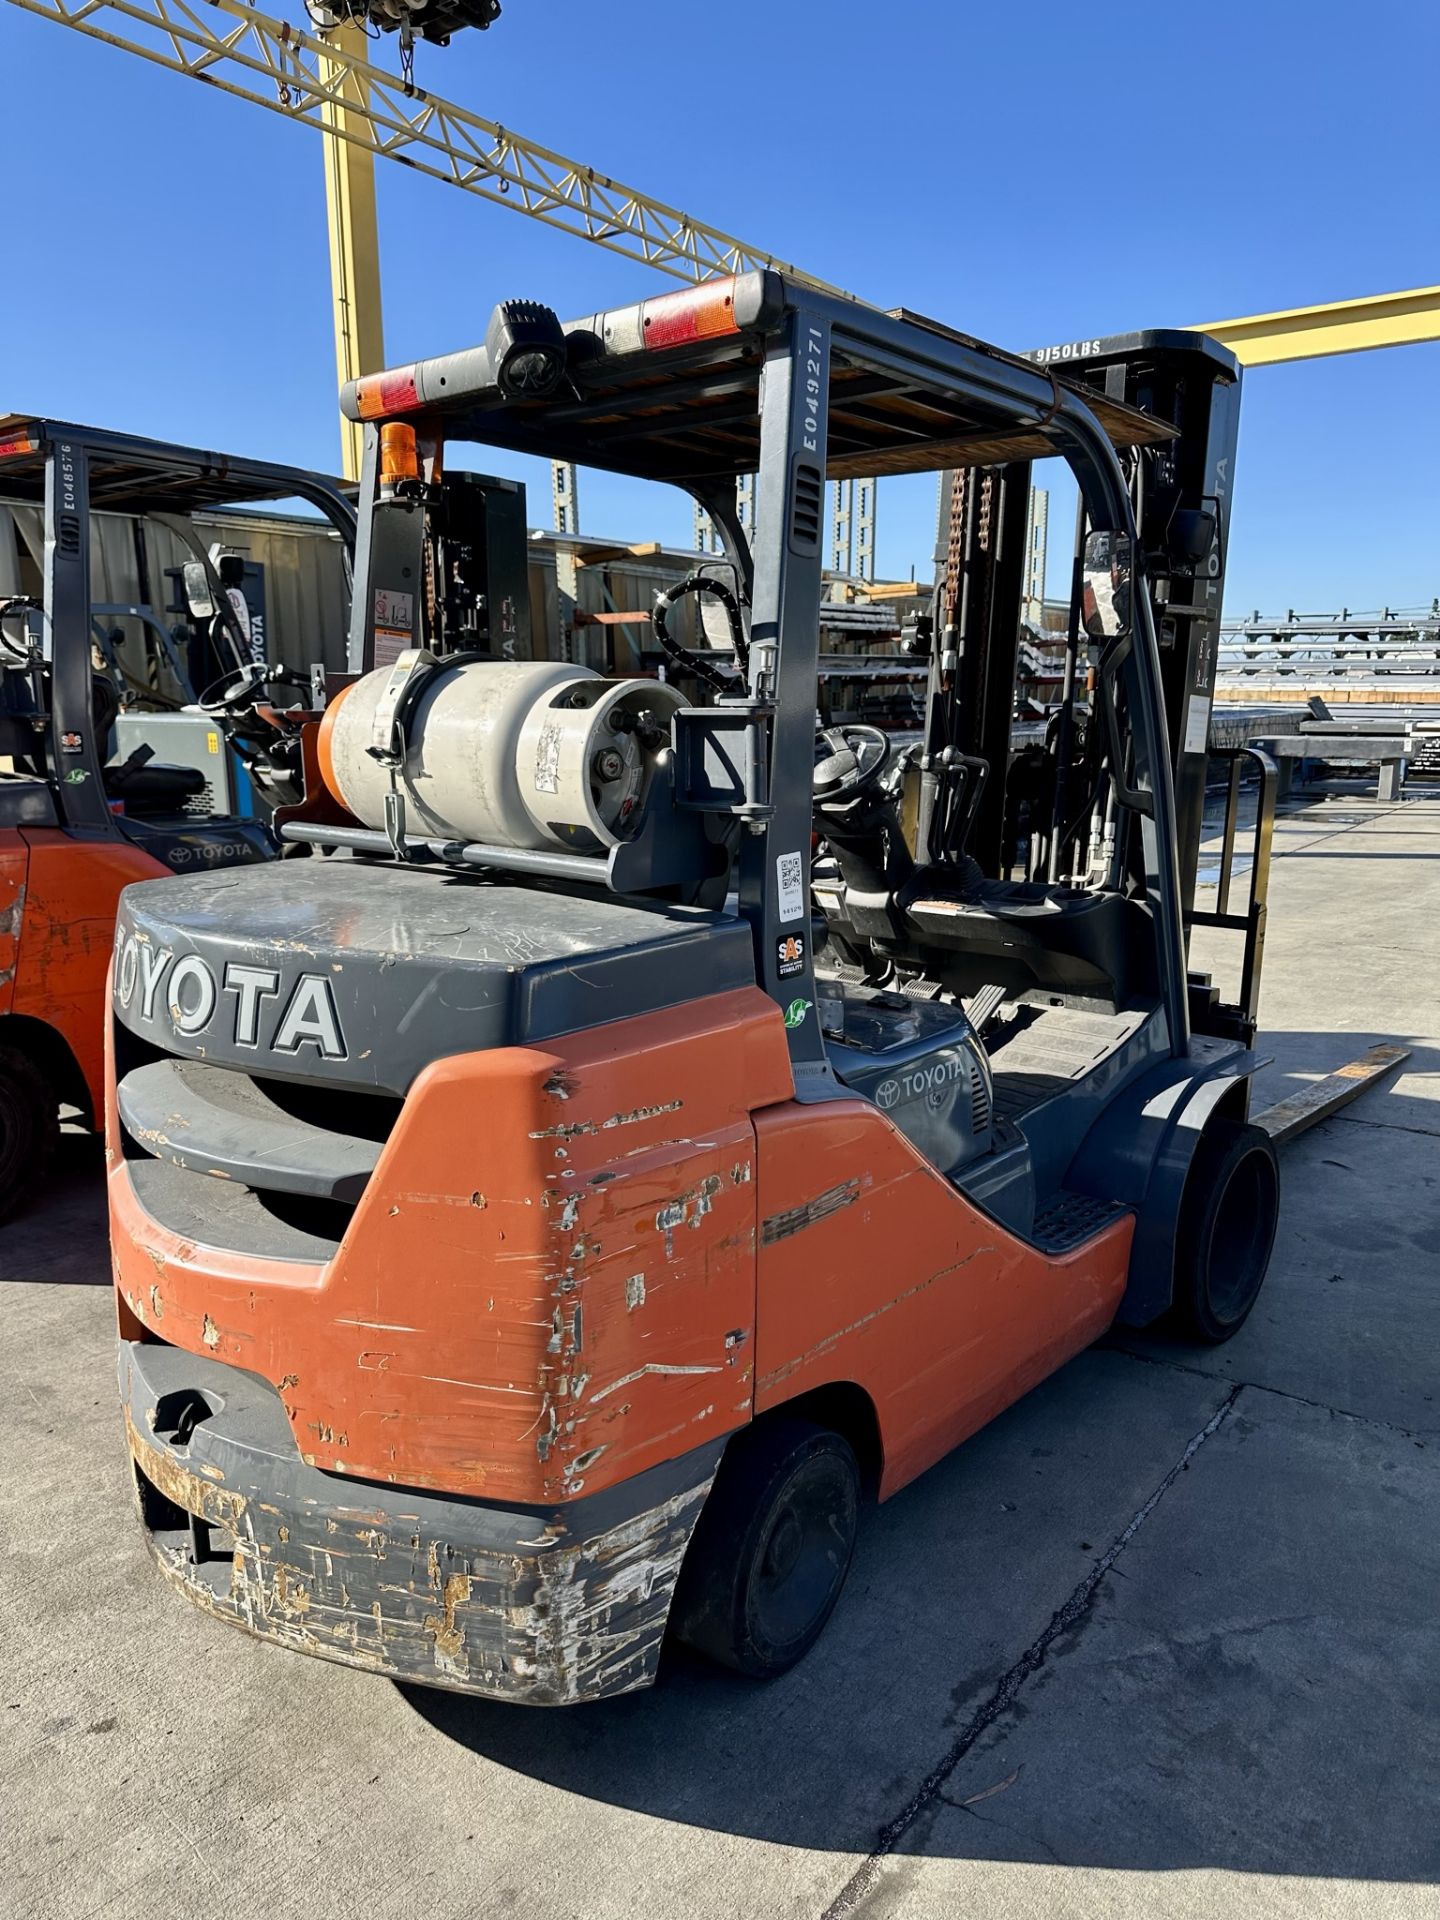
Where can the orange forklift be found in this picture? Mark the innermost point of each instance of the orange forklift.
(76, 825)
(661, 1126)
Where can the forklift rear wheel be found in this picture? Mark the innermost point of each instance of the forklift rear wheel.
(1226, 1230)
(771, 1549)
(29, 1128)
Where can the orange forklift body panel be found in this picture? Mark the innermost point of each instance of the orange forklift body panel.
(14, 856)
(664, 1242)
(61, 893)
(876, 1271)
(548, 1284)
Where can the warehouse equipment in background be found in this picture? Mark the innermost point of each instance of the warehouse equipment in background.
(78, 821)
(110, 774)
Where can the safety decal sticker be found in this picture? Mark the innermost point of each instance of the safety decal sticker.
(790, 885)
(790, 955)
(394, 609)
(72, 743)
(796, 1011)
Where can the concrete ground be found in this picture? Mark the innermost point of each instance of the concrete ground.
(1162, 1641)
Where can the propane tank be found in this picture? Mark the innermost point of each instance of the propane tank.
(514, 753)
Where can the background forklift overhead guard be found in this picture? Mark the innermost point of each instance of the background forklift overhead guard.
(87, 806)
(653, 1127)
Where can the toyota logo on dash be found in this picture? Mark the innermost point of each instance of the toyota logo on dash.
(258, 1007)
(932, 1078)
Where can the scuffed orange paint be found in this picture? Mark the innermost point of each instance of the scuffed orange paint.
(519, 1363)
(903, 1287)
(576, 1261)
(66, 928)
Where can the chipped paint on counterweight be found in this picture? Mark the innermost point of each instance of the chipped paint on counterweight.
(568, 1620)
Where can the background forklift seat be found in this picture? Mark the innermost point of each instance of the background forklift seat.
(153, 786)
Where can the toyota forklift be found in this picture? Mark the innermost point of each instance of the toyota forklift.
(77, 823)
(662, 1125)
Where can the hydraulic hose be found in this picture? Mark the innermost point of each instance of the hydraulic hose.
(701, 583)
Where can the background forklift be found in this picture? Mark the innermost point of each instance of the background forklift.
(76, 826)
(538, 1226)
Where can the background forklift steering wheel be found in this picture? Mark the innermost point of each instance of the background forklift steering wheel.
(249, 678)
(851, 760)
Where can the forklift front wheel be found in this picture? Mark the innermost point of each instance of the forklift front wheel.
(772, 1547)
(29, 1128)
(1226, 1230)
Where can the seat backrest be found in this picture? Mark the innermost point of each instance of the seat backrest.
(1026, 934)
(155, 787)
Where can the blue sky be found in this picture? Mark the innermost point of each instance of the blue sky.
(1028, 173)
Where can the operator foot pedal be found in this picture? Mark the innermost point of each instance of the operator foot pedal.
(982, 1009)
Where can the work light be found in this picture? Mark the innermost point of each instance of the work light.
(526, 345)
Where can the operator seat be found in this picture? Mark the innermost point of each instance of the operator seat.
(1027, 934)
(154, 786)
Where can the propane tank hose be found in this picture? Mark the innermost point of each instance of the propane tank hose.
(702, 583)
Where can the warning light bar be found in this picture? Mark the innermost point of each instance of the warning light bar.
(378, 394)
(529, 356)
(18, 443)
(677, 319)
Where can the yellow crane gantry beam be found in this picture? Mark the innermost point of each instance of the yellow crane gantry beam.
(1339, 326)
(366, 112)
(353, 231)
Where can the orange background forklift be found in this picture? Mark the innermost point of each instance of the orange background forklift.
(74, 830)
(659, 1127)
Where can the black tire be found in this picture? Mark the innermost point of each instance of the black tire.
(29, 1128)
(1226, 1231)
(772, 1547)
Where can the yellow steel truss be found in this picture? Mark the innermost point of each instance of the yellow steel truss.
(303, 78)
(366, 112)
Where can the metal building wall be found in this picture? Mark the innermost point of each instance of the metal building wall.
(306, 585)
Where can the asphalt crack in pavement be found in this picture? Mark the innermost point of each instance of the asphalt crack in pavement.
(1280, 1393)
(1067, 1617)
(1390, 1126)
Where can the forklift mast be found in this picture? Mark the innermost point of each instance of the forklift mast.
(1181, 490)
(451, 550)
(982, 574)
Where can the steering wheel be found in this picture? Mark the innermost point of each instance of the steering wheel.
(15, 607)
(850, 760)
(249, 679)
